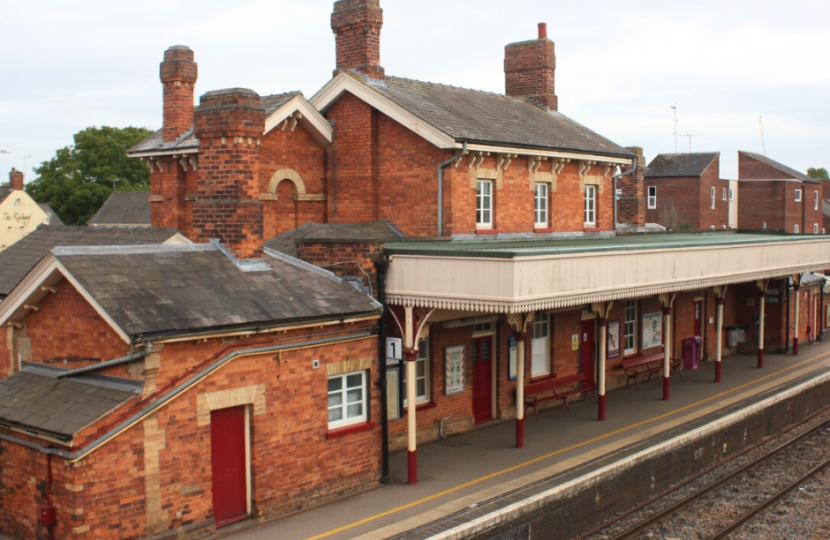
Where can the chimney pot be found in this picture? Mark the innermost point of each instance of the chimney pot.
(178, 73)
(543, 30)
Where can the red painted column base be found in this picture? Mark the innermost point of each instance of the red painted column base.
(601, 408)
(412, 467)
(718, 371)
(795, 346)
(520, 432)
(666, 388)
(760, 358)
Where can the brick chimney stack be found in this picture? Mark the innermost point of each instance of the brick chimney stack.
(16, 180)
(178, 75)
(529, 69)
(229, 125)
(356, 25)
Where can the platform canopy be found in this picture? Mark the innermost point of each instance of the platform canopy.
(520, 276)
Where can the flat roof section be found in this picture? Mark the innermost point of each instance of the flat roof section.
(508, 249)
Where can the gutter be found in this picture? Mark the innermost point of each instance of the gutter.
(109, 363)
(441, 168)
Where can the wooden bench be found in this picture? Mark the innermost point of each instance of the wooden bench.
(558, 388)
(651, 364)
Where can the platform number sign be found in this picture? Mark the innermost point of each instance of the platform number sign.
(394, 350)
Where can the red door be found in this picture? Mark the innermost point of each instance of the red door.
(698, 317)
(483, 379)
(587, 349)
(228, 462)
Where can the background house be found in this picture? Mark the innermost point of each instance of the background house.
(19, 213)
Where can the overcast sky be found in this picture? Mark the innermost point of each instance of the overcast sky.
(620, 65)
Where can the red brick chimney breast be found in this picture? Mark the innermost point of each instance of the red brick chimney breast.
(229, 125)
(178, 73)
(356, 25)
(529, 68)
(16, 180)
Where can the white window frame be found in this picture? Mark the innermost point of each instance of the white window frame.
(713, 198)
(422, 375)
(731, 194)
(630, 326)
(815, 228)
(815, 200)
(540, 345)
(795, 228)
(725, 194)
(484, 204)
(541, 205)
(798, 195)
(344, 405)
(652, 197)
(590, 206)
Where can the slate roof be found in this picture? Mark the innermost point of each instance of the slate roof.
(124, 208)
(53, 217)
(484, 117)
(779, 166)
(19, 258)
(4, 192)
(674, 165)
(273, 102)
(376, 231)
(35, 399)
(188, 141)
(148, 290)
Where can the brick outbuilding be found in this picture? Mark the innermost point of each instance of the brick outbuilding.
(774, 196)
(685, 192)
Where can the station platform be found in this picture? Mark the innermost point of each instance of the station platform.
(460, 472)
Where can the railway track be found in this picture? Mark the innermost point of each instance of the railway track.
(670, 514)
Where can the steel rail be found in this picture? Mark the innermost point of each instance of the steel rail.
(752, 514)
(666, 512)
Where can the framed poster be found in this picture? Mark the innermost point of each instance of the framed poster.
(613, 338)
(454, 369)
(393, 393)
(652, 330)
(513, 353)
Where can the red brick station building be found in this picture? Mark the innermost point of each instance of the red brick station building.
(245, 371)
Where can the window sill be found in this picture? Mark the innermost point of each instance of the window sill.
(423, 406)
(542, 378)
(348, 430)
(487, 231)
(542, 230)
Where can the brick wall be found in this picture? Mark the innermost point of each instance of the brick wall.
(631, 208)
(299, 152)
(761, 202)
(353, 259)
(687, 201)
(719, 215)
(356, 25)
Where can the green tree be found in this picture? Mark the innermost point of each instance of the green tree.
(77, 181)
(820, 173)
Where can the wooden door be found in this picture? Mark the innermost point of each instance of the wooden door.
(483, 379)
(229, 465)
(698, 317)
(587, 348)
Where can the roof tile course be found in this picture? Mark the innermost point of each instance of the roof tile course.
(477, 116)
(667, 165)
(124, 208)
(18, 259)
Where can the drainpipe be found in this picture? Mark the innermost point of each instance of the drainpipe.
(786, 283)
(109, 363)
(441, 168)
(617, 177)
(381, 267)
(48, 515)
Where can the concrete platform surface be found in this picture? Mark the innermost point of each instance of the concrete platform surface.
(469, 468)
